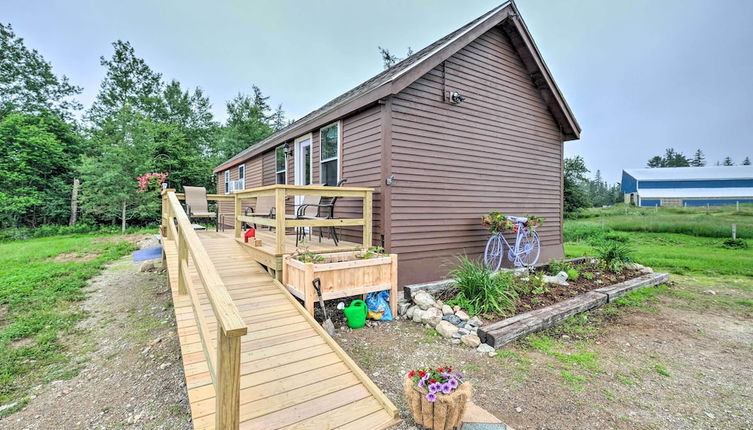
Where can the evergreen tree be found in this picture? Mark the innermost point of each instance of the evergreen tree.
(655, 161)
(728, 162)
(248, 122)
(746, 162)
(671, 158)
(575, 192)
(27, 82)
(389, 59)
(698, 159)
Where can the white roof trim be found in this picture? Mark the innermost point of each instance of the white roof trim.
(664, 193)
(691, 173)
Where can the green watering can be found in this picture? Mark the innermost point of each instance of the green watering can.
(356, 314)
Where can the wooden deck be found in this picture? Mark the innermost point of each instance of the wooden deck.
(293, 375)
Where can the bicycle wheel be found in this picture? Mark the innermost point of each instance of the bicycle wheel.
(494, 253)
(529, 249)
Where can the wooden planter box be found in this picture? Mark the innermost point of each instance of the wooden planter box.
(341, 275)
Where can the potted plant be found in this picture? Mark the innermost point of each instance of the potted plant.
(437, 397)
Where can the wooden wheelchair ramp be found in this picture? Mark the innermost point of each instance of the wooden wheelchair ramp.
(292, 374)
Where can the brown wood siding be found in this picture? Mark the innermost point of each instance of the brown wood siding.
(254, 173)
(268, 168)
(500, 149)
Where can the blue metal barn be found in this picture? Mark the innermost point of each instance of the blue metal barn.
(688, 186)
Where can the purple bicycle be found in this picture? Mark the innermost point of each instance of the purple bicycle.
(525, 252)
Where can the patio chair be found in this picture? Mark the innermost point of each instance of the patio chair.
(197, 205)
(265, 207)
(322, 211)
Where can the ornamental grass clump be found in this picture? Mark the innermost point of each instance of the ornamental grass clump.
(482, 291)
(437, 381)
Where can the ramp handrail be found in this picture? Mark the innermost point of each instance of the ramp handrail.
(223, 359)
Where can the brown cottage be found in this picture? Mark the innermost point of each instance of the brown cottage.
(436, 161)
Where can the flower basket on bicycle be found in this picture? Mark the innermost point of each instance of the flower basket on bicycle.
(526, 249)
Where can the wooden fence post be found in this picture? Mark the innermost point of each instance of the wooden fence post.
(280, 219)
(227, 407)
(182, 262)
(237, 224)
(367, 223)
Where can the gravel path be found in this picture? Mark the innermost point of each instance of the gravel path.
(127, 357)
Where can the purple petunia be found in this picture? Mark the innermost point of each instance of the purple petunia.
(421, 383)
(446, 388)
(459, 374)
(433, 388)
(431, 397)
(453, 383)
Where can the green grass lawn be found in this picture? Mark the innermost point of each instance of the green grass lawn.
(37, 304)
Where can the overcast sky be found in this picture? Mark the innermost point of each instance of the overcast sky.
(639, 75)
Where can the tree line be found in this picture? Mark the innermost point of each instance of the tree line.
(581, 191)
(672, 158)
(138, 123)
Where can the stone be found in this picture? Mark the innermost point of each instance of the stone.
(647, 271)
(409, 312)
(423, 300)
(485, 348)
(709, 292)
(518, 409)
(418, 314)
(455, 308)
(446, 329)
(455, 341)
(453, 319)
(475, 322)
(432, 316)
(559, 279)
(458, 335)
(464, 331)
(462, 315)
(446, 310)
(146, 266)
(471, 340)
(403, 308)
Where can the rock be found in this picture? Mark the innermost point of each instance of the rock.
(458, 335)
(464, 331)
(475, 322)
(559, 279)
(164, 366)
(453, 319)
(409, 312)
(446, 328)
(647, 271)
(485, 348)
(403, 308)
(417, 315)
(462, 315)
(471, 340)
(455, 341)
(446, 310)
(439, 304)
(455, 308)
(564, 336)
(520, 271)
(146, 266)
(432, 316)
(423, 300)
(709, 292)
(518, 409)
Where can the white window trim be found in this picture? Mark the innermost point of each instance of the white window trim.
(339, 151)
(242, 179)
(227, 181)
(277, 172)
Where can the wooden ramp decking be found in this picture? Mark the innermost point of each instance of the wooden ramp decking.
(293, 375)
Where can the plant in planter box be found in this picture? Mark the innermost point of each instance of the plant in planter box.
(307, 256)
(376, 251)
(437, 397)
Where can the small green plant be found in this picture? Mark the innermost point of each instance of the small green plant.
(572, 274)
(482, 291)
(613, 254)
(309, 257)
(557, 266)
(588, 275)
(375, 251)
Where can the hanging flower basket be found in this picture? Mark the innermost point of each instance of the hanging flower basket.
(438, 405)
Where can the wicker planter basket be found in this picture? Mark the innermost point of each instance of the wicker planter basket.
(443, 414)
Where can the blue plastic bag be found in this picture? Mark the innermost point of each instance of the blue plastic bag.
(378, 304)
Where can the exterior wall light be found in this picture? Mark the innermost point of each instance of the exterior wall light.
(456, 98)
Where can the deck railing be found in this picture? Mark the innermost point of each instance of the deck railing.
(280, 222)
(223, 359)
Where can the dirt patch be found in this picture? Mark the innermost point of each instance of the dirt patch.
(132, 238)
(125, 368)
(671, 367)
(74, 257)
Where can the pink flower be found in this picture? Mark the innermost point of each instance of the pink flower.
(431, 397)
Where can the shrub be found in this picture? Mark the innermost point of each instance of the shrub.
(482, 291)
(735, 244)
(613, 254)
(557, 266)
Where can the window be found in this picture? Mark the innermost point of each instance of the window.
(241, 183)
(227, 181)
(329, 154)
(281, 165)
